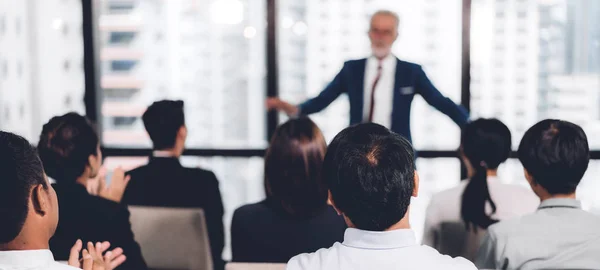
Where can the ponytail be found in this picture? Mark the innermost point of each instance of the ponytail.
(474, 200)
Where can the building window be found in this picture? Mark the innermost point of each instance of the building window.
(121, 38)
(122, 65)
(120, 7)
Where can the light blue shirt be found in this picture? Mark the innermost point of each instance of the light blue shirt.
(559, 235)
(367, 250)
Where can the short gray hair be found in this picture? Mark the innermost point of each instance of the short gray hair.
(387, 12)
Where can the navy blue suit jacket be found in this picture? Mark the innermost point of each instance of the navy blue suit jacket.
(410, 80)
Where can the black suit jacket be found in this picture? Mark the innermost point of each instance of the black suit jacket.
(91, 218)
(164, 182)
(261, 233)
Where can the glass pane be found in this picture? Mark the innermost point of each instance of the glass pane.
(238, 187)
(41, 63)
(209, 53)
(537, 59)
(316, 37)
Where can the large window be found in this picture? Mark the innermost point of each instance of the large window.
(535, 59)
(41, 63)
(209, 53)
(316, 37)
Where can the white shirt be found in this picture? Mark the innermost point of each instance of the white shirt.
(30, 260)
(511, 201)
(384, 91)
(366, 250)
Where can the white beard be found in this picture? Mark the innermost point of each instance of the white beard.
(380, 52)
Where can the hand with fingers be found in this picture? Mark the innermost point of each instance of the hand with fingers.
(116, 189)
(280, 105)
(92, 258)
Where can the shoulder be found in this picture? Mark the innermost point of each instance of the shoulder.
(449, 198)
(62, 266)
(458, 263)
(249, 210)
(406, 64)
(315, 260)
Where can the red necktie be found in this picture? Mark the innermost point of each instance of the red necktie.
(372, 108)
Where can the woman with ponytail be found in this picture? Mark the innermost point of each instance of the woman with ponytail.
(481, 200)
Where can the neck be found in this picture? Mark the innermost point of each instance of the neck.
(28, 239)
(492, 172)
(547, 196)
(171, 152)
(83, 179)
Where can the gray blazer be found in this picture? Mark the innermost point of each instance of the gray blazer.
(560, 235)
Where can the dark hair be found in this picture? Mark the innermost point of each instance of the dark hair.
(65, 145)
(556, 154)
(370, 172)
(21, 170)
(293, 167)
(486, 143)
(162, 120)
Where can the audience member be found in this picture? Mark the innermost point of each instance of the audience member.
(165, 182)
(70, 152)
(370, 173)
(29, 210)
(481, 200)
(560, 235)
(295, 217)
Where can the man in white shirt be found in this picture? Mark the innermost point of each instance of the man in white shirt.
(29, 215)
(380, 88)
(370, 173)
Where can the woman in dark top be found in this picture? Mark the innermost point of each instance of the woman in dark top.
(70, 152)
(295, 217)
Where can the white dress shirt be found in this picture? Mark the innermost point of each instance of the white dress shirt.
(366, 250)
(384, 91)
(511, 201)
(30, 260)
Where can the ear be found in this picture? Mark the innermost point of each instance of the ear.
(529, 178)
(332, 203)
(40, 200)
(415, 192)
(92, 159)
(182, 132)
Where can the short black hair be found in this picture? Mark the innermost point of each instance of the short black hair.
(556, 154)
(370, 172)
(293, 167)
(20, 170)
(65, 145)
(162, 120)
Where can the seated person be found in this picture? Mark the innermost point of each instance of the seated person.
(70, 152)
(29, 210)
(370, 173)
(164, 182)
(560, 235)
(481, 200)
(295, 217)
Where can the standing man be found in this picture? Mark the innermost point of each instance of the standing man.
(380, 88)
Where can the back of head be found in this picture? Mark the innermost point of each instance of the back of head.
(485, 143)
(370, 172)
(65, 145)
(162, 120)
(21, 170)
(293, 166)
(556, 154)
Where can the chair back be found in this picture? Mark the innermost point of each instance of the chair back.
(172, 238)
